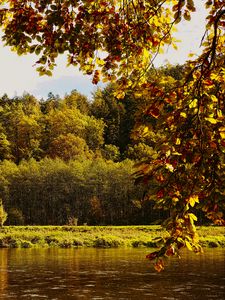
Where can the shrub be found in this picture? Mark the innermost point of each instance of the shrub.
(150, 244)
(107, 242)
(26, 244)
(51, 240)
(136, 243)
(213, 244)
(35, 240)
(65, 244)
(77, 243)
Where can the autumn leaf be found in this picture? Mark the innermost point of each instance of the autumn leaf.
(159, 265)
(193, 199)
(212, 120)
(188, 245)
(222, 132)
(152, 255)
(170, 251)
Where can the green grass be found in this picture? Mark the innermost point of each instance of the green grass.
(97, 236)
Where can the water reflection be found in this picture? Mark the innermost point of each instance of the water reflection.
(108, 274)
(3, 271)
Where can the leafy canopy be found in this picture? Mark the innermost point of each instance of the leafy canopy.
(117, 41)
(113, 40)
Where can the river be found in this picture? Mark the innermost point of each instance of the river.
(66, 274)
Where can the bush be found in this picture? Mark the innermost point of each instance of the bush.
(51, 240)
(8, 242)
(150, 244)
(137, 243)
(107, 242)
(35, 240)
(26, 244)
(65, 244)
(77, 243)
(213, 244)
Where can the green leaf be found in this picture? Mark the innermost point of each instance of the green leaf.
(38, 50)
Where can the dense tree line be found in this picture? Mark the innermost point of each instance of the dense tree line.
(72, 159)
(56, 192)
(68, 160)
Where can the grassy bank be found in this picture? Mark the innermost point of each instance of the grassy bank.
(96, 236)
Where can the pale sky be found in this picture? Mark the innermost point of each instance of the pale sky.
(18, 75)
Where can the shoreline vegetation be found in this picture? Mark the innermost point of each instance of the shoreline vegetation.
(98, 236)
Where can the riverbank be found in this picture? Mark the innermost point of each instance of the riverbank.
(97, 236)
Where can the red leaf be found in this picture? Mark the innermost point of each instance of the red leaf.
(170, 251)
(222, 143)
(152, 255)
(159, 265)
(153, 111)
(160, 194)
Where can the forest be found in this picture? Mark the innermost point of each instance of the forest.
(71, 160)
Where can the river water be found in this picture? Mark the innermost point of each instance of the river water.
(66, 274)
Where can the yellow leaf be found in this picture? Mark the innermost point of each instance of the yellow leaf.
(193, 217)
(214, 99)
(193, 199)
(219, 113)
(212, 120)
(145, 130)
(155, 21)
(99, 26)
(188, 245)
(100, 61)
(196, 237)
(174, 46)
(145, 53)
(170, 167)
(177, 153)
(191, 54)
(168, 153)
(161, 51)
(175, 199)
(138, 94)
(105, 79)
(213, 76)
(178, 141)
(119, 94)
(193, 103)
(183, 114)
(193, 227)
(222, 132)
